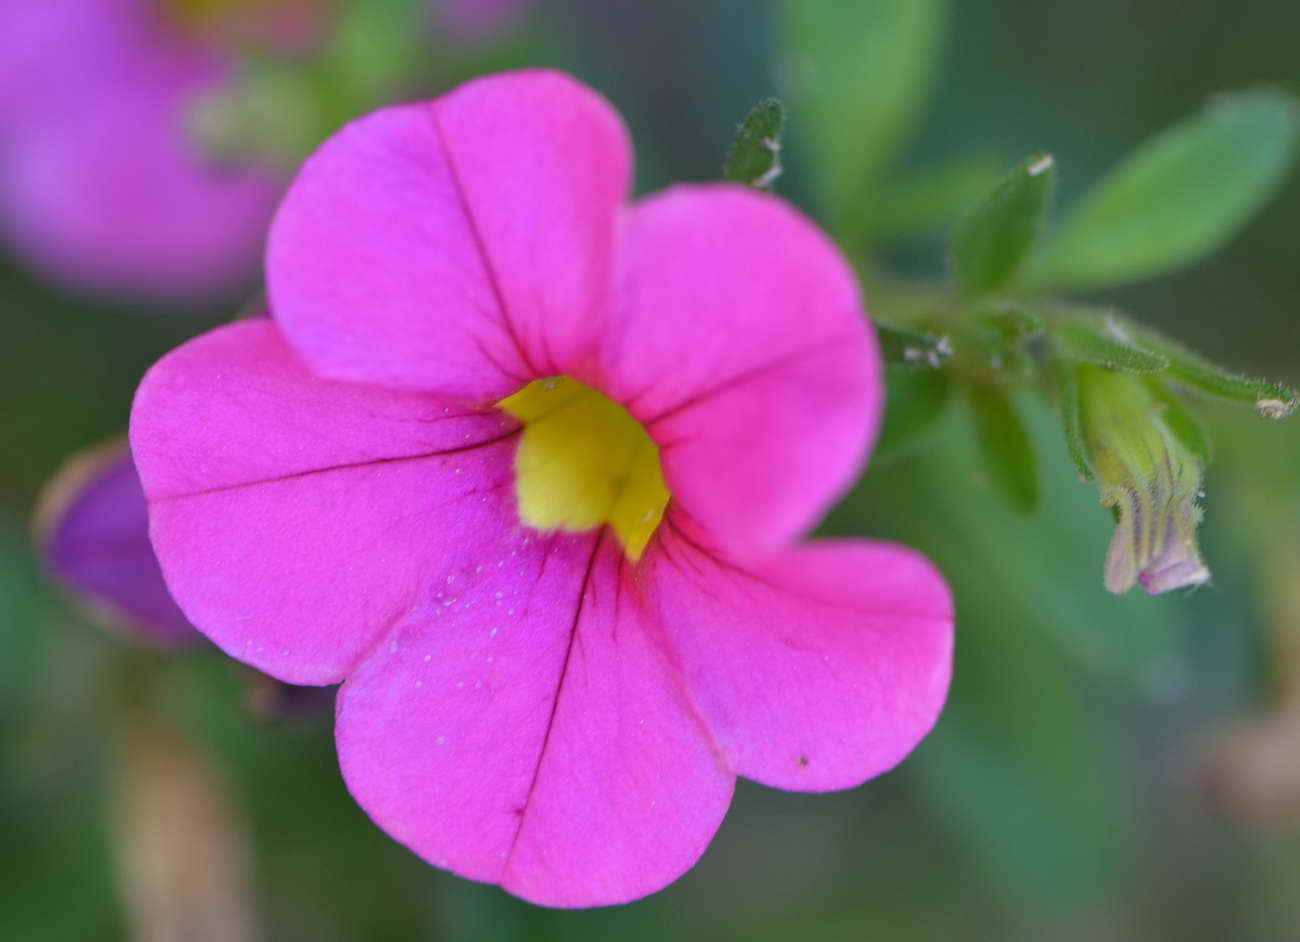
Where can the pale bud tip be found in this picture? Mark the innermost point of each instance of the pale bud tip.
(1275, 408)
(1042, 165)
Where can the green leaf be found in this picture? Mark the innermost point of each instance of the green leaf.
(755, 155)
(1186, 427)
(1001, 330)
(914, 402)
(1066, 384)
(859, 74)
(1010, 323)
(1269, 399)
(1103, 341)
(933, 200)
(1004, 446)
(1180, 196)
(993, 241)
(912, 349)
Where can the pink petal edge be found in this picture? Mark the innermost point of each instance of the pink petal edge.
(462, 246)
(294, 550)
(536, 736)
(764, 409)
(816, 668)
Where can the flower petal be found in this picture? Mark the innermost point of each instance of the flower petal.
(94, 530)
(816, 669)
(743, 347)
(461, 246)
(540, 740)
(297, 518)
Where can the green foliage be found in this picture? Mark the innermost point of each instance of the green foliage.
(1269, 399)
(1010, 323)
(1180, 196)
(859, 75)
(933, 200)
(914, 402)
(992, 242)
(1006, 453)
(1180, 421)
(1066, 382)
(1100, 340)
(1018, 765)
(755, 155)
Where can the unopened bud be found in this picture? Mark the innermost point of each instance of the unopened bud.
(1148, 476)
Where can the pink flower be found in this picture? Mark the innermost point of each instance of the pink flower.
(430, 476)
(101, 184)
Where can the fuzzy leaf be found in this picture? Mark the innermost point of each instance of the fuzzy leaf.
(1180, 196)
(914, 402)
(993, 241)
(1103, 342)
(755, 155)
(1271, 400)
(1066, 382)
(1004, 446)
(1010, 323)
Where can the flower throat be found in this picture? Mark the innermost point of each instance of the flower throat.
(584, 462)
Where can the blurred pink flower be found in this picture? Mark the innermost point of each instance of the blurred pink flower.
(386, 484)
(100, 184)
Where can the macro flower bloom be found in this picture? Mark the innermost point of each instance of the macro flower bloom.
(522, 465)
(102, 185)
(93, 530)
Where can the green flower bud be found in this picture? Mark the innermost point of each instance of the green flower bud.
(1148, 476)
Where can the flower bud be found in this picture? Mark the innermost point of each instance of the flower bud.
(92, 530)
(1148, 476)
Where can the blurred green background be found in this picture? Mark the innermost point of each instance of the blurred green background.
(1107, 768)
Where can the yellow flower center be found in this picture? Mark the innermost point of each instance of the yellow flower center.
(583, 462)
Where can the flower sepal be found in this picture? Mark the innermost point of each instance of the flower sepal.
(1148, 476)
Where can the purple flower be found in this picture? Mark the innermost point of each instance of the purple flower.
(93, 530)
